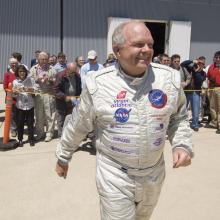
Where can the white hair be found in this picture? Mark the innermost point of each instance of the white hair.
(12, 59)
(118, 38)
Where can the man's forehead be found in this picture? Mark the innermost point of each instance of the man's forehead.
(136, 27)
(134, 30)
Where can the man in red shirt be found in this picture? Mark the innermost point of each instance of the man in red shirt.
(9, 77)
(214, 83)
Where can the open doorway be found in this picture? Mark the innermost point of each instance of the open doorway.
(158, 31)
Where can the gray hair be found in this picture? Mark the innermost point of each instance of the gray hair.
(118, 38)
(43, 53)
(12, 59)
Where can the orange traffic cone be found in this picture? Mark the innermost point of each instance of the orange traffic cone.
(8, 109)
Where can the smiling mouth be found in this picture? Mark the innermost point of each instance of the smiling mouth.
(144, 60)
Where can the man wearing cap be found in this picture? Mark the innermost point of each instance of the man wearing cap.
(92, 65)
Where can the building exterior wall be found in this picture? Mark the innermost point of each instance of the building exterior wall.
(28, 25)
(86, 22)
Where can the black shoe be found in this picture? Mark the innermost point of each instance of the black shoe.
(209, 126)
(217, 131)
(32, 143)
(20, 144)
(196, 129)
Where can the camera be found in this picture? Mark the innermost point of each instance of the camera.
(195, 66)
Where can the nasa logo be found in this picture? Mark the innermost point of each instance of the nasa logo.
(157, 98)
(122, 115)
(121, 95)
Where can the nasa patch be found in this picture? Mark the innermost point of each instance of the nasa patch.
(157, 98)
(122, 115)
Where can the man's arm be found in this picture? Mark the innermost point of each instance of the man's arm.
(80, 124)
(180, 134)
(57, 88)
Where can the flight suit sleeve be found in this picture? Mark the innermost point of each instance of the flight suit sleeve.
(80, 124)
(179, 132)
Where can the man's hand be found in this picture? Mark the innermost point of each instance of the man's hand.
(68, 98)
(181, 158)
(62, 170)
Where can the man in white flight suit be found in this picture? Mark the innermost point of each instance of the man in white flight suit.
(131, 106)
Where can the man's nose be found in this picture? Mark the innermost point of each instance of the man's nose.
(146, 48)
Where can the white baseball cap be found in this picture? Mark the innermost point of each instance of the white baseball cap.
(92, 54)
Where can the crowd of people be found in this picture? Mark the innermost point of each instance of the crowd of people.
(129, 103)
(201, 85)
(52, 86)
(46, 93)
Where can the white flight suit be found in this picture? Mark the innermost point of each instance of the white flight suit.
(131, 117)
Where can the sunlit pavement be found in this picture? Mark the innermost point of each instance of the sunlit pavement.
(31, 190)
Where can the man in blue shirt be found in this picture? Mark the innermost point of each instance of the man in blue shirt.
(92, 65)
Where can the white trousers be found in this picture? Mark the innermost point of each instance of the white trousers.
(127, 196)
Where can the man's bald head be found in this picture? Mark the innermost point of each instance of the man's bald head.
(72, 68)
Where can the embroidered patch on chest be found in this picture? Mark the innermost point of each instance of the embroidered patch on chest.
(122, 115)
(157, 98)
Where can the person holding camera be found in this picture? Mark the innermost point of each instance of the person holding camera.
(193, 89)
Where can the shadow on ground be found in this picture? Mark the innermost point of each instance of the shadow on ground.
(88, 147)
(11, 145)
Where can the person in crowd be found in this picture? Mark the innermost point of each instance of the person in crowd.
(131, 106)
(67, 87)
(214, 95)
(52, 60)
(111, 60)
(23, 86)
(156, 59)
(164, 59)
(193, 90)
(186, 77)
(45, 109)
(92, 65)
(61, 62)
(80, 61)
(18, 57)
(9, 77)
(35, 60)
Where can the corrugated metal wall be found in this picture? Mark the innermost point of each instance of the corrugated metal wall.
(28, 25)
(85, 22)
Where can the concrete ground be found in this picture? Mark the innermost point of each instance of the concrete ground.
(31, 190)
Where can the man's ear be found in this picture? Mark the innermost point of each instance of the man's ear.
(116, 50)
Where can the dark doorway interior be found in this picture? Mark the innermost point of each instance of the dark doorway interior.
(158, 33)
